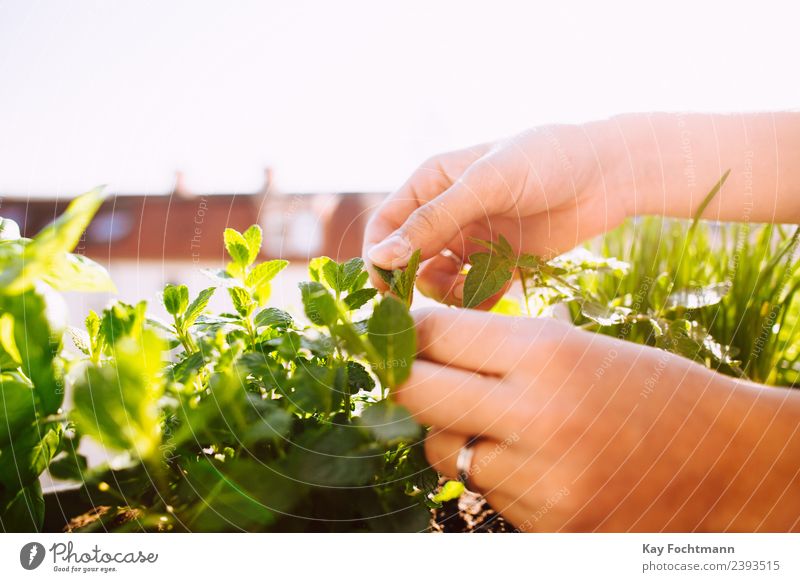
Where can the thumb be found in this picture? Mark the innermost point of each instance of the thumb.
(434, 224)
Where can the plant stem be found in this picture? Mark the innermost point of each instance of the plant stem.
(524, 280)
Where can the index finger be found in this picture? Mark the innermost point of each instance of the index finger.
(430, 180)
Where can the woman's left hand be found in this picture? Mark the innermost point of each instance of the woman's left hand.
(583, 432)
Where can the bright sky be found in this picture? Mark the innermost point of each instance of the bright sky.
(349, 95)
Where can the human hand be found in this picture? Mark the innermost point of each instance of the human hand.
(582, 432)
(545, 190)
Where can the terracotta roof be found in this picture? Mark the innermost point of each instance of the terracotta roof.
(189, 227)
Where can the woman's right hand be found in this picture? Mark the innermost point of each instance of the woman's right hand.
(545, 190)
(549, 189)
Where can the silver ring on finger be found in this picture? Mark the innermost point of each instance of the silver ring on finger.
(464, 462)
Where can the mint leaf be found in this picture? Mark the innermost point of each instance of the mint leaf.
(252, 238)
(389, 422)
(332, 272)
(176, 299)
(45, 257)
(198, 306)
(237, 247)
(265, 272)
(358, 298)
(320, 306)
(487, 276)
(117, 404)
(401, 281)
(17, 407)
(350, 272)
(273, 317)
(316, 268)
(391, 332)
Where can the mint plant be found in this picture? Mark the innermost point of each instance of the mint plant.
(245, 420)
(32, 372)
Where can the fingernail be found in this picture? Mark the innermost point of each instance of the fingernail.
(392, 253)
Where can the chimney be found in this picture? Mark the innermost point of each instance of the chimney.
(181, 190)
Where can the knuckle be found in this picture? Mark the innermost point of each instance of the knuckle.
(433, 163)
(425, 220)
(429, 173)
(550, 339)
(427, 321)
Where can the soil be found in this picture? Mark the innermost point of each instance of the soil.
(469, 514)
(103, 518)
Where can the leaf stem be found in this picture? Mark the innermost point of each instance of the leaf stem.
(524, 280)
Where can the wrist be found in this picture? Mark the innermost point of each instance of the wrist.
(618, 162)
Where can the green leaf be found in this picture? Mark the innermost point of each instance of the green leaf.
(273, 317)
(311, 389)
(401, 281)
(69, 466)
(70, 272)
(487, 276)
(289, 346)
(358, 298)
(699, 297)
(332, 272)
(270, 422)
(44, 256)
(580, 260)
(450, 490)
(243, 494)
(18, 405)
(501, 248)
(604, 314)
(316, 268)
(242, 301)
(93, 325)
(37, 344)
(351, 271)
(198, 306)
(320, 306)
(252, 237)
(121, 321)
(80, 339)
(391, 332)
(117, 404)
(8, 344)
(358, 379)
(341, 278)
(237, 247)
(334, 456)
(27, 457)
(385, 274)
(389, 422)
(360, 281)
(176, 299)
(25, 512)
(188, 367)
(265, 272)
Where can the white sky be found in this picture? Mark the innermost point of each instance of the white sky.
(349, 95)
